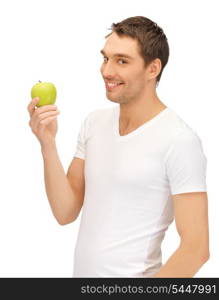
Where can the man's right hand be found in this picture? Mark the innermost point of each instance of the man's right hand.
(43, 121)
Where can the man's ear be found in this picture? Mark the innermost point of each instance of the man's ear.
(154, 68)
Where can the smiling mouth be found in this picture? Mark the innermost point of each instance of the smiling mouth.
(111, 87)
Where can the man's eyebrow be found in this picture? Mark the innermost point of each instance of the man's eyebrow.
(117, 54)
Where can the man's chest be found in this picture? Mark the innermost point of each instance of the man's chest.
(134, 163)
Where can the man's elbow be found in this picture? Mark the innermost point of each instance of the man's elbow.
(203, 252)
(69, 218)
(65, 222)
(205, 256)
(200, 250)
(62, 221)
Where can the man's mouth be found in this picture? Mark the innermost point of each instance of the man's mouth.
(113, 85)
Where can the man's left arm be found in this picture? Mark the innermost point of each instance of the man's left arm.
(191, 218)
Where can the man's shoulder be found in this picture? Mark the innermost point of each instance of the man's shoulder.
(178, 134)
(181, 128)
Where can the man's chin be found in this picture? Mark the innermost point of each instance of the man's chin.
(112, 99)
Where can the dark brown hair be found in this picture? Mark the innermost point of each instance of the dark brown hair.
(151, 39)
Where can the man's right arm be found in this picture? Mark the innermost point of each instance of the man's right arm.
(64, 192)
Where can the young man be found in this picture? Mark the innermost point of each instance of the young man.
(137, 166)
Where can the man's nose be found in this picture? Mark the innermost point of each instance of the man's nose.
(108, 70)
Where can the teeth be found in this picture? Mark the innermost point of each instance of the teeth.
(113, 84)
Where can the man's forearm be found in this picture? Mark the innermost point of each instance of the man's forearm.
(58, 189)
(185, 262)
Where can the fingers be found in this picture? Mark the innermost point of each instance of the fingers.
(47, 120)
(43, 123)
(31, 106)
(40, 114)
(44, 108)
(46, 115)
(42, 118)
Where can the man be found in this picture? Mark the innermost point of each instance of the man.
(137, 166)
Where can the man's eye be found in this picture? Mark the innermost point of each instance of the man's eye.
(123, 61)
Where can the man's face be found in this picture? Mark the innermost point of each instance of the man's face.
(117, 69)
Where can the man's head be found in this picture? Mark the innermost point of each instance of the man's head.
(147, 46)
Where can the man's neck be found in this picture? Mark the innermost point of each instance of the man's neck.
(133, 115)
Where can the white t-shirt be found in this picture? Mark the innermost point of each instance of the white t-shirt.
(128, 185)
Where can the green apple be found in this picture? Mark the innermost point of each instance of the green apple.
(46, 91)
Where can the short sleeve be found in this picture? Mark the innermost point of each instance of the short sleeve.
(82, 138)
(186, 164)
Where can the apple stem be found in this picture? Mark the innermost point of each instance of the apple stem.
(39, 81)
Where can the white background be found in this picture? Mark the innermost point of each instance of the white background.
(60, 42)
